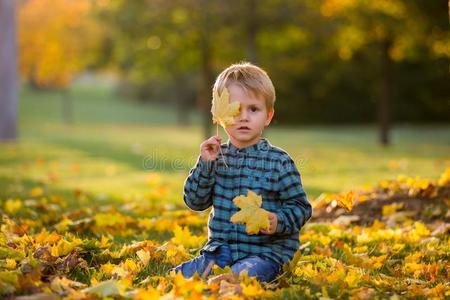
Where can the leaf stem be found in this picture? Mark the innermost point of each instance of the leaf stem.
(220, 147)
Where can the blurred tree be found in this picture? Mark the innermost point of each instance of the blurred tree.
(8, 71)
(57, 40)
(389, 31)
(331, 61)
(168, 50)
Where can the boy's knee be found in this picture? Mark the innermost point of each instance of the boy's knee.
(263, 269)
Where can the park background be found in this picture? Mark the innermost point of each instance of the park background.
(113, 97)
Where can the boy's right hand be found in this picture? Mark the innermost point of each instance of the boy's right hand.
(209, 149)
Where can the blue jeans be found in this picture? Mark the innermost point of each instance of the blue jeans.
(264, 269)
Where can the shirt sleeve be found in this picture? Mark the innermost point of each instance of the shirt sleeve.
(199, 184)
(295, 209)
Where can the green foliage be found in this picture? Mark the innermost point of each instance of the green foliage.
(323, 56)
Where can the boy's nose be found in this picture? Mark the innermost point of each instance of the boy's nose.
(243, 115)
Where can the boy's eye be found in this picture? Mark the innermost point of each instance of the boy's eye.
(253, 108)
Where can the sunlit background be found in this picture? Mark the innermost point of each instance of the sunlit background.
(114, 96)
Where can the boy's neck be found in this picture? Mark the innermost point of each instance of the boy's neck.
(242, 146)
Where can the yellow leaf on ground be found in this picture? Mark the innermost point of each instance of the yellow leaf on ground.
(44, 237)
(12, 206)
(183, 236)
(144, 256)
(10, 264)
(106, 288)
(252, 290)
(346, 201)
(391, 209)
(63, 247)
(63, 284)
(36, 192)
(148, 294)
(251, 213)
(445, 178)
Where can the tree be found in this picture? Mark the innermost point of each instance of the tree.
(170, 46)
(8, 71)
(57, 39)
(396, 29)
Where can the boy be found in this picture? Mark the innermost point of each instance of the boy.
(251, 162)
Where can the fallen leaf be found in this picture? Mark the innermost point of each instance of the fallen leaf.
(106, 288)
(346, 201)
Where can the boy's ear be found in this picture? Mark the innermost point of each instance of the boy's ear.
(270, 114)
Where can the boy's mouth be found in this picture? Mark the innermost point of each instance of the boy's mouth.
(243, 128)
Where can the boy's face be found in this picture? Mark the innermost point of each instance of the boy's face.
(251, 121)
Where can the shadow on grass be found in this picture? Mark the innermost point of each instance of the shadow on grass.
(140, 162)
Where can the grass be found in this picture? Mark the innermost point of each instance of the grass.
(120, 170)
(118, 149)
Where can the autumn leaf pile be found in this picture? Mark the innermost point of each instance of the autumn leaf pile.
(125, 249)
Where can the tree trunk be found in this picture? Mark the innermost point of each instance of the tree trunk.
(8, 71)
(386, 94)
(181, 101)
(206, 83)
(252, 30)
(67, 107)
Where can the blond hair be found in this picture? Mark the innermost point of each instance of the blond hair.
(251, 78)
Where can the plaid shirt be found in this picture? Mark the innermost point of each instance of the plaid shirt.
(268, 171)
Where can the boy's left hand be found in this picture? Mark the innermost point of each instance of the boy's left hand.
(273, 219)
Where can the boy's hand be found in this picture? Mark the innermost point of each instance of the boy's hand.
(209, 149)
(273, 219)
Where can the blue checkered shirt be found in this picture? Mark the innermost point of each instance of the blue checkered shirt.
(265, 169)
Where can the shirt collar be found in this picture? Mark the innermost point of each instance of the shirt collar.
(262, 145)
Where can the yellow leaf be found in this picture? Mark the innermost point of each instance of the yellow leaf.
(144, 256)
(120, 272)
(391, 209)
(148, 294)
(421, 229)
(36, 192)
(445, 177)
(47, 238)
(10, 264)
(12, 206)
(346, 201)
(184, 237)
(107, 268)
(63, 247)
(361, 249)
(62, 284)
(174, 253)
(63, 224)
(352, 278)
(376, 262)
(252, 290)
(105, 242)
(131, 265)
(222, 110)
(414, 268)
(398, 247)
(106, 288)
(251, 213)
